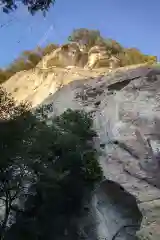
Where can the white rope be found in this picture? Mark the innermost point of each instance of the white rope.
(45, 36)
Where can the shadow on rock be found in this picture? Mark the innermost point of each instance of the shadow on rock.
(113, 214)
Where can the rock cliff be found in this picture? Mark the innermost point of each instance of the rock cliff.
(63, 65)
(125, 108)
(124, 104)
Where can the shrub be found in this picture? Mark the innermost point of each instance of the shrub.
(32, 57)
(49, 48)
(26, 61)
(127, 56)
(3, 76)
(86, 36)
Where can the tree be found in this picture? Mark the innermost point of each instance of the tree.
(3, 76)
(32, 5)
(135, 56)
(92, 38)
(46, 171)
(20, 134)
(33, 57)
(85, 36)
(27, 60)
(49, 48)
(20, 64)
(12, 122)
(70, 173)
(113, 47)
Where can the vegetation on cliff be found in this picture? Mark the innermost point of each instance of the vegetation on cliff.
(46, 171)
(29, 59)
(127, 56)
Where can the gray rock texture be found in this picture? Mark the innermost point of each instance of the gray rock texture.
(125, 107)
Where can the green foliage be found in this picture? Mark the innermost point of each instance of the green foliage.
(59, 163)
(134, 56)
(85, 36)
(33, 57)
(127, 56)
(113, 47)
(13, 122)
(26, 61)
(3, 76)
(49, 48)
(32, 5)
(19, 65)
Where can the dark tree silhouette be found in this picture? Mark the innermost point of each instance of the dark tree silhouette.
(32, 5)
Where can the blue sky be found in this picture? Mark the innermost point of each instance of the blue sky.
(132, 23)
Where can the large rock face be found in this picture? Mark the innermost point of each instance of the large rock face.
(124, 104)
(63, 65)
(37, 84)
(67, 55)
(126, 111)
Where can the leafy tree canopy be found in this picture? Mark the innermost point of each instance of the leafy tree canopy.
(46, 171)
(86, 36)
(32, 5)
(127, 56)
(26, 61)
